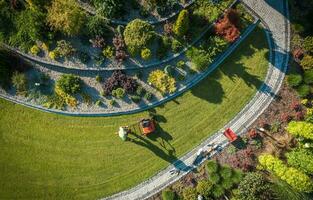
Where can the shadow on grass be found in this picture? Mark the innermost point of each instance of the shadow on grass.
(164, 149)
(210, 88)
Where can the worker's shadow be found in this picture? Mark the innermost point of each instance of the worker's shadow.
(160, 135)
(168, 154)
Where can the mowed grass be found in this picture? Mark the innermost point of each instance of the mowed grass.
(48, 156)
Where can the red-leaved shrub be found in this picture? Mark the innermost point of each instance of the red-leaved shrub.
(227, 27)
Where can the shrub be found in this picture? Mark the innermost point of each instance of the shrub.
(135, 98)
(214, 178)
(181, 26)
(99, 103)
(69, 84)
(112, 102)
(226, 172)
(217, 191)
(300, 129)
(97, 42)
(119, 79)
(146, 54)
(212, 166)
(148, 96)
(139, 91)
(35, 50)
(19, 81)
(118, 93)
(181, 64)
(98, 78)
(163, 82)
(307, 62)
(204, 188)
(97, 26)
(227, 27)
(294, 80)
(108, 52)
(30, 26)
(303, 90)
(295, 178)
(308, 44)
(64, 49)
(308, 76)
(168, 195)
(199, 58)
(176, 46)
(53, 55)
(190, 194)
(138, 34)
(226, 183)
(66, 16)
(254, 187)
(109, 8)
(301, 159)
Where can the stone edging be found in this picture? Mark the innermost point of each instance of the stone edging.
(183, 89)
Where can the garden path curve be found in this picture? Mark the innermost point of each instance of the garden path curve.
(274, 15)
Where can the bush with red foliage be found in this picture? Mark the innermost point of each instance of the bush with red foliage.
(119, 44)
(227, 27)
(168, 28)
(252, 134)
(119, 79)
(285, 117)
(299, 116)
(296, 106)
(298, 54)
(243, 160)
(97, 42)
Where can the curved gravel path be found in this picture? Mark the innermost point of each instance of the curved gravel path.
(92, 11)
(274, 15)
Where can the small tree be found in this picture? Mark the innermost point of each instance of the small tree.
(137, 35)
(181, 26)
(254, 187)
(66, 16)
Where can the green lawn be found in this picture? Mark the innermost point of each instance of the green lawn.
(50, 156)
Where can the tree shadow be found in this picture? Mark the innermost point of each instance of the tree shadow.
(210, 90)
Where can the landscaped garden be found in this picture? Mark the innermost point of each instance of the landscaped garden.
(184, 67)
(72, 59)
(52, 156)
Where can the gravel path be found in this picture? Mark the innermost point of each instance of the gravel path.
(274, 15)
(92, 11)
